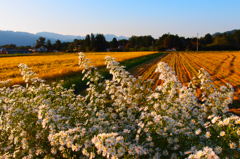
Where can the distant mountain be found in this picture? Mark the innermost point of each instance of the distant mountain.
(61, 37)
(227, 32)
(24, 38)
(18, 38)
(109, 37)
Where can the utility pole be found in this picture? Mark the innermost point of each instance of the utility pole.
(197, 41)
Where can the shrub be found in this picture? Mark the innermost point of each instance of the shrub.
(119, 118)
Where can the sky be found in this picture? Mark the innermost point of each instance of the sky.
(120, 17)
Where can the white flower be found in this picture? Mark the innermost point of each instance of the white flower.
(215, 119)
(232, 145)
(238, 132)
(208, 134)
(226, 121)
(165, 153)
(198, 131)
(126, 131)
(222, 133)
(218, 150)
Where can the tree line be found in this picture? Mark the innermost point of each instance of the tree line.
(220, 41)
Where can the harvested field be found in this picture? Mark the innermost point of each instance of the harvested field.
(55, 65)
(224, 67)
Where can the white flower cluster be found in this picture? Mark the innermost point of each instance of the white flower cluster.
(5, 83)
(206, 153)
(121, 117)
(26, 72)
(112, 145)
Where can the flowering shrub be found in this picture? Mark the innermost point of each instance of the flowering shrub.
(123, 117)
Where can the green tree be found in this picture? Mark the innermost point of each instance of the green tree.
(100, 43)
(58, 45)
(87, 43)
(208, 39)
(114, 44)
(93, 43)
(40, 42)
(49, 45)
(168, 41)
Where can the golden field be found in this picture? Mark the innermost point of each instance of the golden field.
(224, 66)
(55, 65)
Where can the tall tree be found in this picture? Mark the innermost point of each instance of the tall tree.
(93, 43)
(49, 45)
(87, 43)
(100, 43)
(114, 44)
(58, 45)
(40, 42)
(208, 39)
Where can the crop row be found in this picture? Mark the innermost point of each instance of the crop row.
(224, 67)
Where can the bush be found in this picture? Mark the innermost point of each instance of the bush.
(119, 118)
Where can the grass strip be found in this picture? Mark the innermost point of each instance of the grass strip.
(80, 85)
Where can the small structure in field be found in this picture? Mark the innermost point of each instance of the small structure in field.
(3, 51)
(13, 51)
(41, 49)
(172, 49)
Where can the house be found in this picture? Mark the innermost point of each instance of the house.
(172, 49)
(41, 49)
(13, 51)
(3, 51)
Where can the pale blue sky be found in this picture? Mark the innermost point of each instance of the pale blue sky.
(120, 17)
